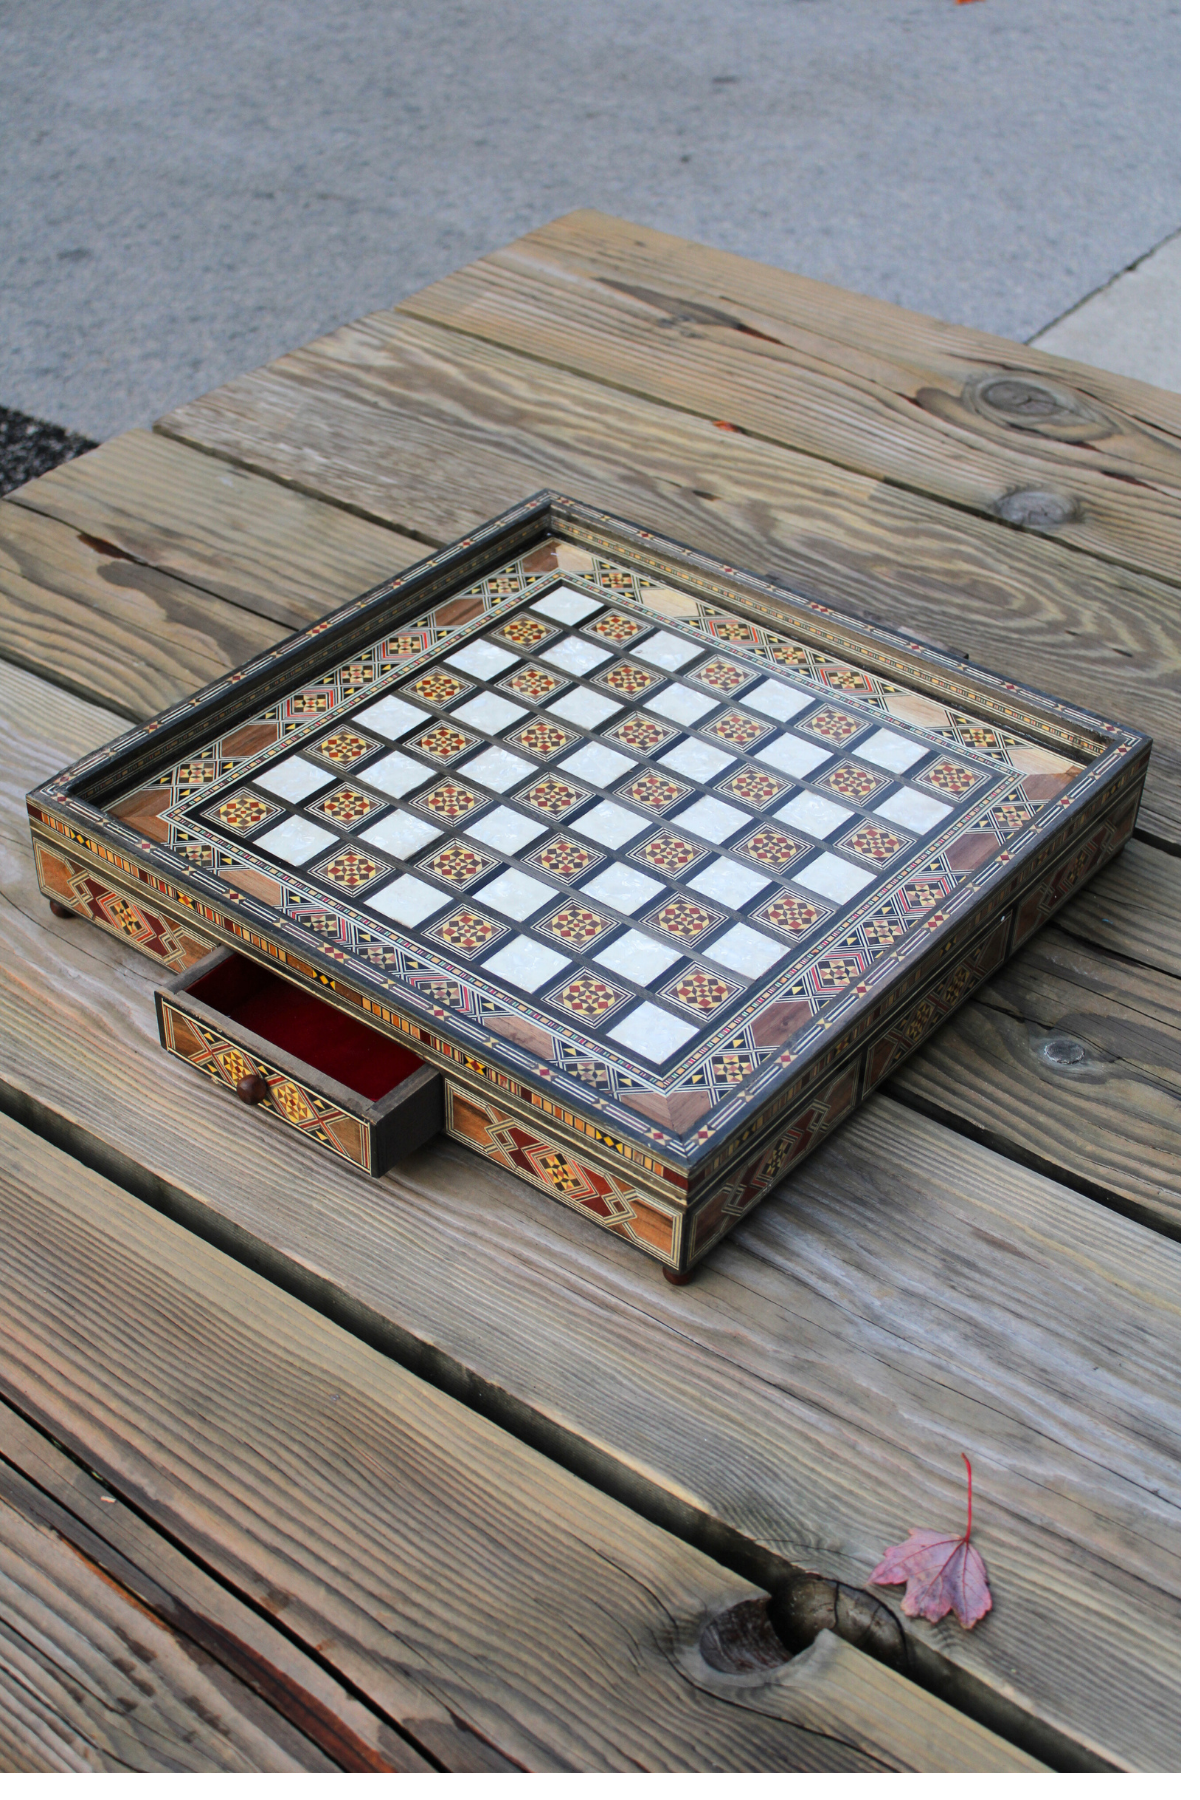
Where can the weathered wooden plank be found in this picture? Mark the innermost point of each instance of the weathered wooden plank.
(1069, 1060)
(910, 1295)
(431, 431)
(313, 1710)
(90, 1680)
(976, 420)
(108, 628)
(1132, 908)
(253, 542)
(406, 1535)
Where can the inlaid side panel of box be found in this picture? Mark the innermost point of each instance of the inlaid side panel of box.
(116, 909)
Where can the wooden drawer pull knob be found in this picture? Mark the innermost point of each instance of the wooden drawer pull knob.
(252, 1088)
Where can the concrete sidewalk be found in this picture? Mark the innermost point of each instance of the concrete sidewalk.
(193, 186)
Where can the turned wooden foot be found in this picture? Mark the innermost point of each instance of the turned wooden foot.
(62, 912)
(679, 1278)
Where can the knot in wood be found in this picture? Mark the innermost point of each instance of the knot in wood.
(1028, 402)
(1065, 1051)
(1036, 509)
(742, 1640)
(808, 1604)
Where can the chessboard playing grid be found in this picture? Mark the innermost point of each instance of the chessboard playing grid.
(627, 827)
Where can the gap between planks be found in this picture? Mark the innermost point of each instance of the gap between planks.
(368, 1266)
(397, 1529)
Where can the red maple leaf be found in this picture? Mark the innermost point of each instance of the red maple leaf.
(942, 1573)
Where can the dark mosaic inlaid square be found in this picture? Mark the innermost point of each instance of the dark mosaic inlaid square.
(526, 633)
(737, 729)
(466, 932)
(685, 919)
(1012, 812)
(342, 749)
(924, 892)
(834, 726)
(243, 812)
(976, 736)
(458, 863)
(882, 932)
(723, 677)
(450, 801)
(346, 806)
(792, 914)
(637, 732)
(439, 687)
(443, 742)
(853, 783)
(841, 969)
(668, 853)
(950, 778)
(774, 849)
(631, 682)
(874, 841)
(754, 786)
(577, 925)
(616, 628)
(552, 795)
(532, 683)
(654, 790)
(352, 870)
(701, 991)
(589, 997)
(542, 738)
(563, 857)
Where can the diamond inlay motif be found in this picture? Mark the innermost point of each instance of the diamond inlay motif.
(439, 687)
(841, 970)
(924, 892)
(755, 787)
(669, 853)
(880, 933)
(641, 733)
(526, 633)
(552, 796)
(443, 742)
(351, 869)
(589, 998)
(951, 778)
(450, 801)
(345, 806)
(467, 932)
(654, 791)
(684, 919)
(701, 991)
(788, 912)
(616, 627)
(458, 863)
(542, 738)
(243, 812)
(725, 677)
(565, 858)
(577, 925)
(834, 726)
(1009, 816)
(737, 729)
(625, 679)
(533, 683)
(345, 748)
(873, 841)
(853, 783)
(774, 848)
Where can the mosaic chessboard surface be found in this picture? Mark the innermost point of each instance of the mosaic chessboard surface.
(641, 840)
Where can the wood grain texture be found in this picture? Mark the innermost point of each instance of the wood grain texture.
(971, 419)
(431, 431)
(255, 543)
(303, 1703)
(416, 1543)
(1069, 1060)
(90, 1680)
(110, 629)
(909, 1296)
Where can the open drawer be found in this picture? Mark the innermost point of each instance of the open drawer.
(363, 1097)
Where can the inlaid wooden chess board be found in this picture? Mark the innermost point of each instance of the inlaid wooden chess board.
(665, 867)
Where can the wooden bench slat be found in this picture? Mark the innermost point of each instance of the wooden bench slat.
(416, 1543)
(857, 382)
(429, 430)
(115, 630)
(907, 1296)
(253, 542)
